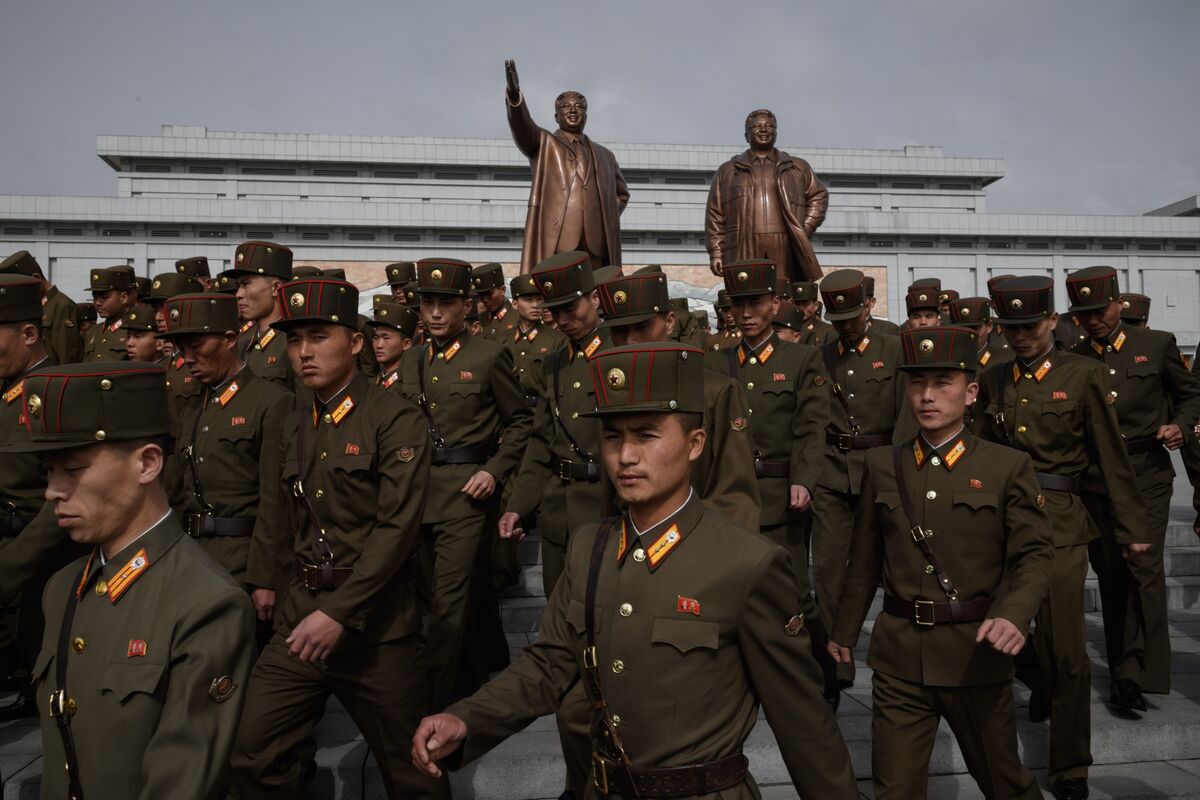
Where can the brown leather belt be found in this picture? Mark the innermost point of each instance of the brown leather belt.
(196, 525)
(928, 613)
(1142, 444)
(611, 777)
(460, 455)
(848, 441)
(1058, 483)
(322, 577)
(772, 468)
(572, 471)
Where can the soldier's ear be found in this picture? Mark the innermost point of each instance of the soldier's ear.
(696, 440)
(972, 389)
(356, 342)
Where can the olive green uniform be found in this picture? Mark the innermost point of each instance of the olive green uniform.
(183, 390)
(817, 332)
(265, 353)
(499, 327)
(60, 327)
(530, 348)
(725, 339)
(105, 341)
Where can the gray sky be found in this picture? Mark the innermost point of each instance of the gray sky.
(1092, 103)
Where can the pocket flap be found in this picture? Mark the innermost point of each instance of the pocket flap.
(41, 666)
(1059, 406)
(685, 635)
(576, 618)
(976, 500)
(236, 433)
(889, 499)
(465, 389)
(350, 463)
(127, 678)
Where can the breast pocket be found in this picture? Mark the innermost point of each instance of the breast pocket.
(979, 502)
(239, 437)
(125, 681)
(352, 463)
(685, 636)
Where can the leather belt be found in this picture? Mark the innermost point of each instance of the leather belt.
(460, 455)
(1142, 444)
(321, 577)
(611, 777)
(531, 400)
(772, 468)
(572, 471)
(196, 525)
(927, 613)
(848, 441)
(1058, 483)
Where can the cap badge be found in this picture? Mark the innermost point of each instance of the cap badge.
(297, 300)
(1124, 304)
(34, 404)
(547, 287)
(156, 284)
(620, 298)
(841, 298)
(436, 275)
(174, 315)
(926, 345)
(922, 297)
(743, 277)
(478, 282)
(1086, 291)
(241, 257)
(616, 378)
(965, 311)
(182, 269)
(1016, 304)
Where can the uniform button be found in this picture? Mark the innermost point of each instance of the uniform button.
(928, 569)
(618, 666)
(200, 460)
(72, 707)
(935, 461)
(850, 395)
(324, 455)
(328, 418)
(849, 372)
(750, 385)
(574, 415)
(1109, 348)
(1024, 401)
(1021, 429)
(441, 356)
(639, 555)
(78, 644)
(576, 385)
(320, 493)
(435, 379)
(1028, 376)
(749, 411)
(616, 720)
(931, 495)
(753, 360)
(1112, 372)
(258, 347)
(626, 609)
(433, 406)
(102, 587)
(204, 429)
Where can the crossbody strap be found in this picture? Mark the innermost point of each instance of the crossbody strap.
(556, 366)
(62, 708)
(323, 549)
(434, 433)
(919, 535)
(836, 386)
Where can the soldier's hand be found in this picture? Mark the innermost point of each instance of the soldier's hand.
(510, 526)
(1001, 635)
(436, 737)
(839, 653)
(480, 486)
(510, 77)
(800, 497)
(717, 265)
(264, 603)
(1132, 552)
(1171, 436)
(315, 637)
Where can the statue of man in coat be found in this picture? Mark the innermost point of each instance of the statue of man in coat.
(578, 193)
(765, 204)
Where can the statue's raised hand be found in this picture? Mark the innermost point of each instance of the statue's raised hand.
(514, 83)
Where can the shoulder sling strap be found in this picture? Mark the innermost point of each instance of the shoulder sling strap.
(62, 707)
(314, 521)
(434, 433)
(556, 366)
(836, 386)
(919, 534)
(189, 453)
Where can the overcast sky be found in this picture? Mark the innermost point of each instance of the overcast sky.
(1092, 103)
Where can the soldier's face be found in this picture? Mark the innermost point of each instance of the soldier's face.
(389, 345)
(579, 317)
(808, 308)
(16, 342)
(649, 457)
(1030, 341)
(1102, 321)
(493, 299)
(570, 112)
(527, 308)
(852, 329)
(141, 346)
(939, 398)
(398, 295)
(443, 315)
(256, 297)
(322, 356)
(760, 132)
(923, 318)
(210, 357)
(753, 315)
(787, 334)
(656, 329)
(110, 303)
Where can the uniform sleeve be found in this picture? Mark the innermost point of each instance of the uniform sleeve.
(1029, 549)
(714, 218)
(525, 132)
(1181, 385)
(809, 421)
(731, 488)
(788, 683)
(185, 759)
(68, 343)
(1107, 449)
(403, 486)
(534, 470)
(515, 414)
(864, 568)
(271, 545)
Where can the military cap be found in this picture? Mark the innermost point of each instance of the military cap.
(970, 312)
(606, 274)
(262, 258)
(1092, 288)
(317, 300)
(749, 278)
(401, 272)
(20, 298)
(632, 299)
(1020, 301)
(306, 272)
(927, 283)
(395, 315)
(443, 276)
(107, 279)
(654, 377)
(169, 284)
(411, 297)
(804, 292)
(723, 302)
(199, 313)
(563, 278)
(226, 282)
(139, 318)
(947, 295)
(869, 285)
(196, 267)
(789, 317)
(87, 312)
(1135, 307)
(523, 286)
(143, 287)
(921, 298)
(77, 405)
(943, 347)
(21, 263)
(844, 294)
(488, 276)
(995, 280)
(783, 288)
(334, 272)
(679, 305)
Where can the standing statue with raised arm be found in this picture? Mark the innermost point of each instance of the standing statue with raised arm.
(765, 204)
(578, 193)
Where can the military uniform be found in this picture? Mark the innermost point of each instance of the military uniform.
(500, 325)
(694, 607)
(106, 341)
(182, 389)
(60, 315)
(993, 559)
(1153, 387)
(1058, 410)
(264, 348)
(531, 344)
(817, 332)
(1135, 309)
(153, 643)
(400, 318)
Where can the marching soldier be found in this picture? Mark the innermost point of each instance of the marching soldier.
(807, 299)
(182, 387)
(532, 340)
(945, 298)
(1135, 310)
(727, 334)
(501, 319)
(956, 606)
(667, 604)
(259, 269)
(366, 357)
(148, 644)
(922, 306)
(349, 624)
(140, 343)
(61, 333)
(1056, 407)
(976, 313)
(195, 267)
(114, 292)
(399, 275)
(877, 324)
(1157, 401)
(788, 324)
(867, 407)
(225, 477)
(393, 331)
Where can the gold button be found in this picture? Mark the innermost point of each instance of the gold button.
(258, 347)
(618, 666)
(849, 372)
(753, 360)
(1028, 376)
(102, 587)
(1112, 372)
(1024, 401)
(328, 418)
(574, 415)
(72, 707)
(616, 719)
(639, 555)
(935, 461)
(626, 609)
(204, 429)
(750, 385)
(928, 569)
(78, 644)
(435, 378)
(324, 455)
(931, 495)
(433, 406)
(1109, 348)
(576, 385)
(1021, 429)
(320, 493)
(441, 356)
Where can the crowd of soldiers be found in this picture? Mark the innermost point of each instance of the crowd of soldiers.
(227, 498)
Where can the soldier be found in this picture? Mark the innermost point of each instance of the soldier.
(976, 313)
(703, 322)
(146, 655)
(393, 331)
(398, 276)
(807, 300)
(61, 332)
(1157, 400)
(182, 387)
(922, 306)
(788, 324)
(259, 269)
(945, 298)
(532, 340)
(477, 421)
(87, 319)
(500, 320)
(1068, 332)
(142, 287)
(1057, 408)
(727, 334)
(195, 267)
(350, 621)
(227, 283)
(668, 603)
(866, 408)
(989, 564)
(685, 329)
(225, 479)
(1135, 310)
(114, 293)
(366, 357)
(140, 343)
(878, 324)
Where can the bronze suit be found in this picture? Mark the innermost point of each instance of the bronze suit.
(592, 212)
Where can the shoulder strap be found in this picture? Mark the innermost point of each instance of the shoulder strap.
(314, 521)
(732, 360)
(189, 452)
(836, 386)
(998, 389)
(555, 367)
(434, 433)
(62, 707)
(918, 533)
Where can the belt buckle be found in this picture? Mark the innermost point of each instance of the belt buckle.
(918, 533)
(845, 442)
(57, 703)
(917, 605)
(564, 470)
(589, 657)
(599, 774)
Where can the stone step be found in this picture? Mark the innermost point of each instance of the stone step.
(521, 614)
(529, 551)
(1183, 593)
(1180, 534)
(529, 583)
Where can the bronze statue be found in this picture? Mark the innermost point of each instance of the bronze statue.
(765, 204)
(578, 193)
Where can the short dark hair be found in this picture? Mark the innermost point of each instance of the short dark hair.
(761, 112)
(569, 93)
(690, 421)
(35, 322)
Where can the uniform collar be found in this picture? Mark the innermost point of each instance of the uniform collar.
(529, 335)
(660, 540)
(859, 346)
(1115, 340)
(341, 404)
(1037, 369)
(760, 354)
(588, 345)
(448, 349)
(115, 576)
(947, 455)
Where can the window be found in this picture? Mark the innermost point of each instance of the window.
(452, 237)
(999, 245)
(956, 187)
(152, 168)
(513, 175)
(920, 243)
(960, 244)
(634, 240)
(1112, 246)
(1146, 246)
(396, 173)
(847, 183)
(25, 232)
(1187, 247)
(212, 234)
(670, 240)
(456, 175)
(164, 234)
(687, 180)
(116, 232)
(268, 171)
(882, 243)
(67, 231)
(1037, 245)
(361, 237)
(406, 237)
(205, 169)
(1075, 246)
(315, 236)
(326, 172)
(834, 243)
(908, 185)
(495, 238)
(637, 179)
(260, 235)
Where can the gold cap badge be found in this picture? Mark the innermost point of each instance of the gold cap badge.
(620, 298)
(743, 277)
(926, 345)
(616, 378)
(296, 300)
(1016, 304)
(34, 404)
(436, 275)
(1086, 291)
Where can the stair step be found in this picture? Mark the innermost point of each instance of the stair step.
(529, 584)
(521, 614)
